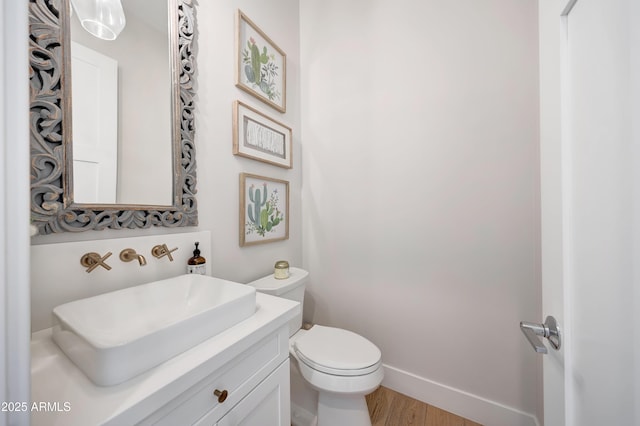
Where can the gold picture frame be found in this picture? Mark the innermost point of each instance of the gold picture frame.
(261, 66)
(264, 209)
(261, 138)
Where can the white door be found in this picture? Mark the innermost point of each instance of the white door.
(95, 125)
(590, 159)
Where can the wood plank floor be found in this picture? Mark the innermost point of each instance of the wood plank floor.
(390, 408)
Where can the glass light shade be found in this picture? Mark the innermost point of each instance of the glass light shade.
(101, 18)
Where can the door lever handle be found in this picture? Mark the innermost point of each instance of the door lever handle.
(549, 329)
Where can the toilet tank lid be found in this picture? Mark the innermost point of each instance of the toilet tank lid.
(275, 287)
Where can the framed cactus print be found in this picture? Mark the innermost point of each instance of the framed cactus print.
(264, 209)
(261, 66)
(259, 137)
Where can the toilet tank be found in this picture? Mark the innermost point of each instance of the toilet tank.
(291, 288)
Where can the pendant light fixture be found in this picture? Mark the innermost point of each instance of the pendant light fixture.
(101, 18)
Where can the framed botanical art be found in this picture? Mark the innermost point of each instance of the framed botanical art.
(264, 209)
(259, 137)
(261, 66)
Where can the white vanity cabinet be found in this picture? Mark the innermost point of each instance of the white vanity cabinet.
(268, 404)
(252, 382)
(248, 365)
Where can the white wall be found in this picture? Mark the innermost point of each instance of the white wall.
(421, 192)
(217, 168)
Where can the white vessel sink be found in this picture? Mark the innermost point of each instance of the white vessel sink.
(116, 336)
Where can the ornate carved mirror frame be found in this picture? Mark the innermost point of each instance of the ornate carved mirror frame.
(52, 206)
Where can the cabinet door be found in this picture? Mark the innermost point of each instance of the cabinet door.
(268, 404)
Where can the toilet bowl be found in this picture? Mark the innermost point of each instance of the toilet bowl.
(340, 365)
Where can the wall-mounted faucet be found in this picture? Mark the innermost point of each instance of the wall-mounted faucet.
(162, 250)
(129, 254)
(92, 260)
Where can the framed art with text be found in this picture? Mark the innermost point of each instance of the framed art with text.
(259, 137)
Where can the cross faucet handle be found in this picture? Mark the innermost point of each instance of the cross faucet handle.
(162, 250)
(92, 260)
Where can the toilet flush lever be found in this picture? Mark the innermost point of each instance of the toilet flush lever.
(549, 329)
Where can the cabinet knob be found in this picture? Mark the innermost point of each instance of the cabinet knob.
(222, 395)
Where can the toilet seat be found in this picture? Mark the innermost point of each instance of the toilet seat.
(337, 352)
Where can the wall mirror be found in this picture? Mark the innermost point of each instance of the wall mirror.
(112, 121)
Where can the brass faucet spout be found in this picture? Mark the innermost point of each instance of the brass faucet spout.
(127, 255)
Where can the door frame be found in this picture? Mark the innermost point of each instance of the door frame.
(15, 327)
(553, 184)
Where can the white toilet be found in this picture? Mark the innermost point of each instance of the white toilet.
(341, 365)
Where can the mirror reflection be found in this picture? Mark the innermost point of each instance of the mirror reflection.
(122, 110)
(53, 206)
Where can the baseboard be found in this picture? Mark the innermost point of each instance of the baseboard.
(472, 407)
(301, 417)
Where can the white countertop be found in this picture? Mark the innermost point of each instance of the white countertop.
(62, 395)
